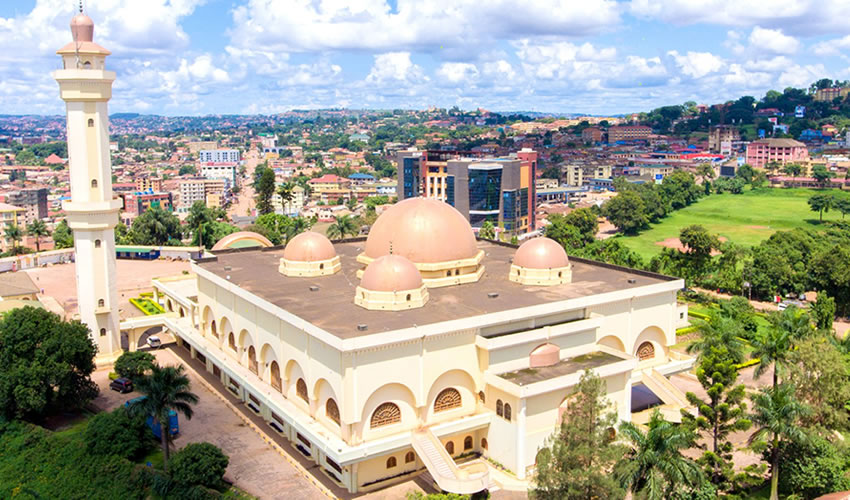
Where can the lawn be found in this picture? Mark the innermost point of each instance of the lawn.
(746, 218)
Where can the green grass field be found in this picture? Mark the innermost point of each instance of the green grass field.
(745, 219)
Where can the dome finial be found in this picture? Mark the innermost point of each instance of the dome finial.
(81, 6)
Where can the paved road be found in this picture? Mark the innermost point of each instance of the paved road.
(244, 202)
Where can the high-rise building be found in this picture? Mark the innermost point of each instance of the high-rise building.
(219, 156)
(496, 189)
(624, 133)
(34, 201)
(721, 137)
(86, 86)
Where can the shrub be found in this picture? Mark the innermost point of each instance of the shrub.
(117, 433)
(199, 464)
(134, 364)
(812, 469)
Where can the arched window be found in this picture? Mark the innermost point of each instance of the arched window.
(97, 243)
(103, 332)
(91, 122)
(450, 447)
(499, 408)
(385, 414)
(507, 412)
(646, 351)
(182, 313)
(391, 462)
(101, 303)
(467, 443)
(87, 65)
(231, 341)
(213, 331)
(94, 183)
(408, 297)
(484, 443)
(409, 457)
(252, 361)
(332, 410)
(447, 399)
(301, 389)
(274, 375)
(481, 397)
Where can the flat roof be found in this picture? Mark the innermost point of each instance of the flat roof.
(591, 360)
(332, 307)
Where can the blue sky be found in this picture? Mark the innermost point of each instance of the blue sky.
(586, 56)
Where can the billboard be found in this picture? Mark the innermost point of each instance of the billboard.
(800, 112)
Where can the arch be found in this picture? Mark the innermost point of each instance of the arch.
(391, 462)
(91, 122)
(507, 412)
(324, 392)
(393, 392)
(409, 457)
(101, 303)
(301, 390)
(385, 414)
(253, 366)
(182, 312)
(170, 305)
(231, 342)
(245, 339)
(97, 243)
(481, 397)
(463, 384)
(242, 239)
(208, 322)
(467, 443)
(332, 410)
(450, 447)
(483, 443)
(650, 344)
(274, 375)
(613, 342)
(94, 183)
(500, 408)
(447, 399)
(267, 354)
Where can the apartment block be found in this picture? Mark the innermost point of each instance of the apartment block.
(580, 175)
(763, 152)
(219, 156)
(626, 133)
(721, 137)
(33, 201)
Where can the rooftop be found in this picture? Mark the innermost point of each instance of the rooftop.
(20, 283)
(332, 307)
(591, 360)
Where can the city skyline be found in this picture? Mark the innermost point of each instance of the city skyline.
(197, 57)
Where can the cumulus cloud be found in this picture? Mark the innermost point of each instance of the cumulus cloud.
(833, 47)
(774, 41)
(697, 64)
(395, 67)
(455, 72)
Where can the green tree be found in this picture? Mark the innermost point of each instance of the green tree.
(821, 174)
(746, 172)
(287, 194)
(776, 415)
(117, 433)
(626, 212)
(45, 364)
(14, 234)
(487, 231)
(842, 204)
(793, 169)
(720, 332)
(134, 364)
(823, 311)
(165, 389)
(576, 461)
(821, 202)
(264, 189)
(772, 346)
(566, 234)
(344, 225)
(38, 229)
(654, 467)
(699, 244)
(820, 372)
(201, 222)
(812, 468)
(199, 464)
(155, 227)
(63, 237)
(586, 221)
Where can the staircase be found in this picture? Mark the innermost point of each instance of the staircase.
(664, 389)
(443, 469)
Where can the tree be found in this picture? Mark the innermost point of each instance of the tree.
(199, 464)
(14, 234)
(287, 194)
(626, 211)
(566, 234)
(62, 235)
(746, 172)
(793, 169)
(772, 346)
(842, 204)
(586, 221)
(344, 225)
(264, 189)
(117, 433)
(201, 223)
(165, 389)
(820, 373)
(487, 231)
(351, 204)
(155, 227)
(187, 169)
(821, 174)
(655, 466)
(777, 413)
(37, 229)
(699, 244)
(720, 332)
(134, 364)
(812, 468)
(705, 171)
(576, 461)
(45, 364)
(821, 202)
(823, 311)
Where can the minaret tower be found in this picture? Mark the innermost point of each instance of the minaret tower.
(92, 213)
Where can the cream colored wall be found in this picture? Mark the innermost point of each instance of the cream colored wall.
(515, 357)
(633, 320)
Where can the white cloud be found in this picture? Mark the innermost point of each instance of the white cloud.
(454, 72)
(774, 41)
(697, 64)
(832, 47)
(395, 67)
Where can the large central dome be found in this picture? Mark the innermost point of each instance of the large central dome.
(423, 230)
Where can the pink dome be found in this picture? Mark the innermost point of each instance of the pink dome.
(242, 239)
(544, 355)
(424, 230)
(82, 28)
(391, 273)
(541, 253)
(309, 246)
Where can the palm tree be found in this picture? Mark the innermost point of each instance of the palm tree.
(719, 331)
(344, 225)
(166, 389)
(38, 229)
(773, 346)
(287, 194)
(776, 413)
(655, 465)
(14, 234)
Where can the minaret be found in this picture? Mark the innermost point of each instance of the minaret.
(92, 213)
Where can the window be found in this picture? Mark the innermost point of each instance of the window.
(332, 410)
(103, 332)
(252, 361)
(91, 122)
(97, 243)
(408, 297)
(507, 412)
(450, 447)
(87, 65)
(409, 457)
(499, 408)
(467, 443)
(101, 303)
(301, 389)
(484, 443)
(94, 183)
(447, 399)
(212, 329)
(231, 341)
(391, 462)
(481, 397)
(274, 375)
(385, 414)
(646, 351)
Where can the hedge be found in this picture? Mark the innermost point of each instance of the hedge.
(687, 329)
(699, 315)
(147, 306)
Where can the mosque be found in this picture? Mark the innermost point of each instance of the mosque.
(413, 350)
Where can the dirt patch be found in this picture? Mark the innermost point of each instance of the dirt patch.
(758, 227)
(677, 245)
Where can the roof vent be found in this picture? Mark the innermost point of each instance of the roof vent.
(493, 295)
(362, 327)
(314, 288)
(632, 280)
(227, 268)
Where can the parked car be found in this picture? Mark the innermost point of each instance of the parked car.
(122, 385)
(154, 342)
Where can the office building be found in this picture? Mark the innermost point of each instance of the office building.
(33, 201)
(628, 133)
(721, 138)
(580, 175)
(762, 153)
(219, 156)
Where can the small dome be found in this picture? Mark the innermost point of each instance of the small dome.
(391, 273)
(541, 253)
(82, 28)
(423, 230)
(242, 239)
(309, 246)
(544, 355)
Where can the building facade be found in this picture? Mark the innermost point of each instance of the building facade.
(580, 175)
(224, 171)
(219, 156)
(721, 137)
(628, 133)
(10, 216)
(33, 201)
(763, 152)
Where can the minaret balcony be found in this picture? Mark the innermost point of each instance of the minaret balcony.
(103, 310)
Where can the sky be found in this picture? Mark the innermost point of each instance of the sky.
(200, 57)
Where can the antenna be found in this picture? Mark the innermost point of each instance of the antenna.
(77, 43)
